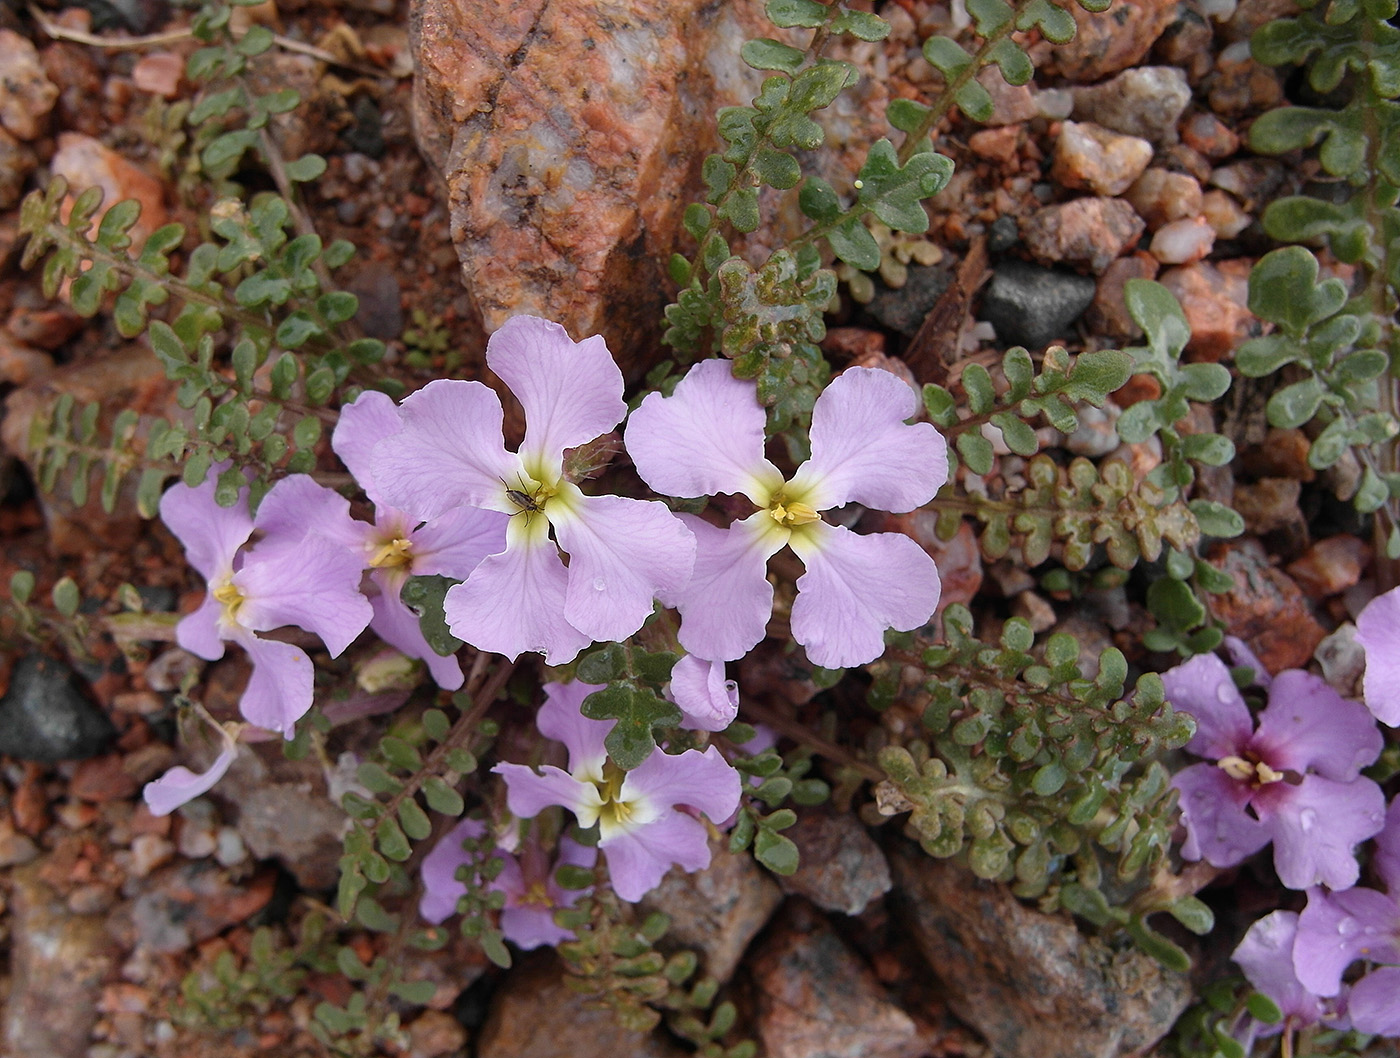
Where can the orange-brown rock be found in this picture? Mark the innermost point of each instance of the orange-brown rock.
(1111, 40)
(84, 163)
(1215, 299)
(1265, 608)
(571, 136)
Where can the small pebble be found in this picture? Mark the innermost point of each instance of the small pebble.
(1224, 214)
(1183, 241)
(149, 851)
(1098, 159)
(1207, 134)
(1161, 196)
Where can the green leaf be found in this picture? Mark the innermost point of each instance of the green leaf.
(442, 798)
(414, 820)
(297, 329)
(424, 596)
(1157, 946)
(787, 14)
(637, 711)
(1258, 357)
(607, 663)
(1295, 405)
(1154, 309)
(1056, 24)
(975, 101)
(939, 403)
(976, 452)
(337, 306)
(1193, 914)
(21, 586)
(1016, 66)
(1204, 382)
(906, 115)
(768, 54)
(1263, 1008)
(896, 195)
(977, 383)
(775, 852)
(66, 597)
(817, 200)
(1208, 449)
(392, 842)
(1174, 605)
(740, 208)
(306, 168)
(946, 55)
(1283, 289)
(262, 288)
(1019, 437)
(860, 24)
(777, 168)
(852, 242)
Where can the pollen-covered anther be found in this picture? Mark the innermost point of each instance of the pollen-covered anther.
(230, 598)
(1256, 772)
(791, 514)
(396, 552)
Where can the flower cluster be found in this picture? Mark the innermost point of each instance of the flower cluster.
(643, 826)
(543, 566)
(1295, 780)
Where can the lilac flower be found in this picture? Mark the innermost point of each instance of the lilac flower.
(1266, 955)
(179, 785)
(708, 438)
(622, 552)
(393, 548)
(1294, 781)
(312, 584)
(707, 701)
(1378, 632)
(532, 895)
(1336, 929)
(642, 832)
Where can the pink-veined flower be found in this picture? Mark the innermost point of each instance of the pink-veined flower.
(622, 552)
(642, 831)
(1294, 781)
(707, 438)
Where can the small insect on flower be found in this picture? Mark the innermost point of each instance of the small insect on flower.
(530, 503)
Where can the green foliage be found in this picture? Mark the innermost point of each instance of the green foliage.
(762, 817)
(427, 755)
(1032, 773)
(229, 993)
(60, 622)
(1338, 351)
(1210, 1027)
(615, 962)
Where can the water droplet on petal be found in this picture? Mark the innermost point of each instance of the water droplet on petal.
(599, 585)
(1306, 818)
(1346, 927)
(1225, 694)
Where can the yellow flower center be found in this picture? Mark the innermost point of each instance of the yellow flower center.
(231, 599)
(1256, 773)
(529, 496)
(790, 514)
(614, 814)
(394, 553)
(536, 896)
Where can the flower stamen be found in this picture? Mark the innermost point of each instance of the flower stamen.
(394, 553)
(230, 598)
(1257, 773)
(792, 514)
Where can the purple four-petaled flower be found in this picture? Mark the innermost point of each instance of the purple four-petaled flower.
(1336, 929)
(707, 438)
(623, 553)
(311, 583)
(1294, 781)
(642, 829)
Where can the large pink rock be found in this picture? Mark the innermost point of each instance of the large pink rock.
(570, 136)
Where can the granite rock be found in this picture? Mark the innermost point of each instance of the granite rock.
(1145, 102)
(26, 93)
(1111, 40)
(1092, 232)
(1090, 157)
(1030, 983)
(841, 868)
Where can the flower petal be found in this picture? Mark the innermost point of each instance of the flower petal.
(1242, 656)
(726, 606)
(1374, 1004)
(450, 453)
(571, 391)
(864, 452)
(362, 425)
(179, 785)
(441, 889)
(705, 781)
(298, 507)
(281, 688)
(1218, 829)
(1203, 688)
(398, 626)
(1378, 632)
(639, 859)
(706, 438)
(531, 926)
(211, 534)
(455, 543)
(514, 601)
(707, 701)
(200, 632)
(1317, 828)
(622, 554)
(313, 585)
(1266, 957)
(855, 587)
(529, 793)
(1310, 727)
(1386, 861)
(1336, 929)
(561, 718)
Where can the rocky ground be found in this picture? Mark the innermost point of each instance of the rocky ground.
(1123, 159)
